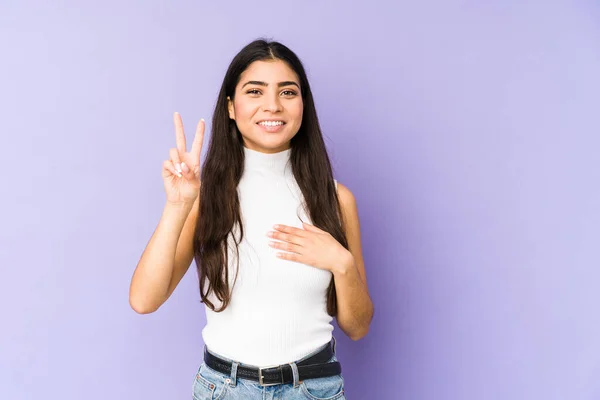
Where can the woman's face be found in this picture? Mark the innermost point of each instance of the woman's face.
(267, 106)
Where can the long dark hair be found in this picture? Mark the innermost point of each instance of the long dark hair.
(224, 164)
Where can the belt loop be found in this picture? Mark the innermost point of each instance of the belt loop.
(234, 367)
(296, 376)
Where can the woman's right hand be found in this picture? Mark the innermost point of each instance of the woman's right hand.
(181, 173)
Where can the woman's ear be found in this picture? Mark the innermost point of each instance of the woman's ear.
(230, 108)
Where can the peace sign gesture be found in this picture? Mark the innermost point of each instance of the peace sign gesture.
(181, 173)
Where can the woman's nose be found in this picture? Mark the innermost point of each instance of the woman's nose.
(272, 104)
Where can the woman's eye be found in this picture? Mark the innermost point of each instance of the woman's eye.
(285, 92)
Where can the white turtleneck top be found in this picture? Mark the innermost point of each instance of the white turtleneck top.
(278, 309)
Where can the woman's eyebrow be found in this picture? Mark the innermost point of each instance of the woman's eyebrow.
(280, 84)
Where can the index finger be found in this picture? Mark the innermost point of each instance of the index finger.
(198, 139)
(290, 230)
(179, 135)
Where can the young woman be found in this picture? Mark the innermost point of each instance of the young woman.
(275, 238)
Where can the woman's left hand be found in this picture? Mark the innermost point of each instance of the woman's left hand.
(311, 246)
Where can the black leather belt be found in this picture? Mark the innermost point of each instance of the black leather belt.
(316, 366)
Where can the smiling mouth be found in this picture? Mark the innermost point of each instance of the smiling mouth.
(271, 126)
(271, 123)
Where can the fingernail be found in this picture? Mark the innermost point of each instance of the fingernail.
(178, 167)
(184, 167)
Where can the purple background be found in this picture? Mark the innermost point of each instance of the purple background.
(468, 132)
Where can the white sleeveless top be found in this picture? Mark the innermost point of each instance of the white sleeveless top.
(278, 309)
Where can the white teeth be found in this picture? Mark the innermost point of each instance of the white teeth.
(271, 123)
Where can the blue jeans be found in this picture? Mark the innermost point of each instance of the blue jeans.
(212, 385)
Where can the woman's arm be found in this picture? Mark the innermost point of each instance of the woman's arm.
(165, 259)
(355, 308)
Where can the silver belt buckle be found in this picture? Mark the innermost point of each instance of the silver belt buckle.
(260, 375)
